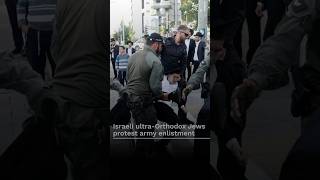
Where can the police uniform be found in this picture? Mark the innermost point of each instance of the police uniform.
(80, 84)
(20, 76)
(270, 71)
(145, 74)
(202, 147)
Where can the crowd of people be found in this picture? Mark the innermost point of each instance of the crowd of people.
(234, 83)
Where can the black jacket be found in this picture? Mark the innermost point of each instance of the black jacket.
(133, 50)
(173, 56)
(115, 51)
(201, 51)
(192, 47)
(227, 18)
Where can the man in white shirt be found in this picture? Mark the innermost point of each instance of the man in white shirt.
(130, 50)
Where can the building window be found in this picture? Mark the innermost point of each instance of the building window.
(158, 1)
(142, 3)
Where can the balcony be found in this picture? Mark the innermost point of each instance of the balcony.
(161, 4)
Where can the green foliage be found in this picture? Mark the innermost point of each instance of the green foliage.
(189, 10)
(128, 33)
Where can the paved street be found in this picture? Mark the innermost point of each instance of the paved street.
(269, 134)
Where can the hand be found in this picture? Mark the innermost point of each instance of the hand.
(259, 9)
(116, 85)
(186, 91)
(234, 146)
(25, 28)
(218, 49)
(242, 98)
(217, 44)
(220, 55)
(175, 97)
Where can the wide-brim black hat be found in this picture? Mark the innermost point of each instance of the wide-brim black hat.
(199, 34)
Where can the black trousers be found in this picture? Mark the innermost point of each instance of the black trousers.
(113, 61)
(122, 77)
(16, 31)
(195, 66)
(276, 10)
(231, 73)
(38, 50)
(254, 30)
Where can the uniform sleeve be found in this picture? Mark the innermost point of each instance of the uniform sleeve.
(156, 78)
(22, 11)
(273, 58)
(198, 76)
(227, 18)
(19, 76)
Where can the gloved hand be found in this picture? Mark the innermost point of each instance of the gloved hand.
(234, 146)
(242, 98)
(175, 96)
(186, 91)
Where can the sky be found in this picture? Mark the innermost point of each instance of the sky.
(119, 9)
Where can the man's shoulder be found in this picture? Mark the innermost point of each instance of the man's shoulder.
(300, 8)
(154, 57)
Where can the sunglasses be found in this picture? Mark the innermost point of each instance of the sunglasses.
(186, 34)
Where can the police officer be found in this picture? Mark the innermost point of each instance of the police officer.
(145, 74)
(202, 147)
(174, 56)
(80, 84)
(269, 70)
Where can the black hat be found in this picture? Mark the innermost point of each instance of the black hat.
(155, 37)
(199, 34)
(112, 40)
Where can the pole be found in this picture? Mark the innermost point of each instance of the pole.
(203, 16)
(123, 36)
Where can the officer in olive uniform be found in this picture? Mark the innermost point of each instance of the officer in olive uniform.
(145, 74)
(202, 147)
(269, 70)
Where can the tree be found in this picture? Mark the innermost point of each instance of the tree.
(128, 33)
(189, 10)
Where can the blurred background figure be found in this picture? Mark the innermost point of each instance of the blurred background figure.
(199, 52)
(16, 30)
(35, 18)
(122, 64)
